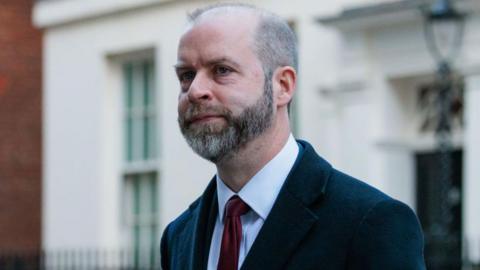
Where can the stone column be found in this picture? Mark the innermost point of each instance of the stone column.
(471, 181)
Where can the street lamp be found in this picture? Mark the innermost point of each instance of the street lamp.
(443, 29)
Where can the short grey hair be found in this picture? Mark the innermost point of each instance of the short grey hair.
(275, 43)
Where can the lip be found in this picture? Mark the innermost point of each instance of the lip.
(204, 118)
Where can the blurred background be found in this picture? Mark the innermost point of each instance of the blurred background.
(93, 166)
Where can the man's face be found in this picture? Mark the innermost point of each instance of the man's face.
(223, 103)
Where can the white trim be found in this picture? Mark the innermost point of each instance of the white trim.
(423, 142)
(385, 14)
(53, 13)
(140, 167)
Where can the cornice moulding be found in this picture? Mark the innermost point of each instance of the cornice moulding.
(48, 14)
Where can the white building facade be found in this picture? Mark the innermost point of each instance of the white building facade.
(117, 169)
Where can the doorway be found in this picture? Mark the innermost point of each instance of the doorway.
(435, 205)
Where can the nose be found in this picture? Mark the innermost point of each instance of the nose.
(200, 89)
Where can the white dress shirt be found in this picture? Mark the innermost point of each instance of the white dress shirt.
(259, 193)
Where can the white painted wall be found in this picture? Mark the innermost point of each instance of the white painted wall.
(471, 199)
(355, 107)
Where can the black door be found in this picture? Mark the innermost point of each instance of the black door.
(439, 207)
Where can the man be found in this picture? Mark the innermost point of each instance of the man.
(274, 203)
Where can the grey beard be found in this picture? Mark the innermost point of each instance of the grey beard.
(214, 146)
(217, 145)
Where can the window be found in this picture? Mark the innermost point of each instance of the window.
(140, 166)
(140, 110)
(141, 217)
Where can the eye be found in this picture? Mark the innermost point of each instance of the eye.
(222, 70)
(186, 76)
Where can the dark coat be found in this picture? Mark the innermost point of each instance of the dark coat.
(322, 219)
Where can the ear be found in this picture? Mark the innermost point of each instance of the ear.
(284, 85)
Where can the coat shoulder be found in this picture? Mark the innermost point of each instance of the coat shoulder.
(384, 232)
(180, 228)
(179, 223)
(351, 191)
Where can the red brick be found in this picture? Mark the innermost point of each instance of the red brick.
(20, 127)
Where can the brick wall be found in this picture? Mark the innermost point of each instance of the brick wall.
(20, 127)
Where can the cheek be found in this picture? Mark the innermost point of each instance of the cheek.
(255, 91)
(182, 104)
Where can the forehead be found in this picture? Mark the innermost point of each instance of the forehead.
(218, 35)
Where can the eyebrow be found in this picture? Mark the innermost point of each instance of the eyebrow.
(222, 60)
(212, 62)
(180, 66)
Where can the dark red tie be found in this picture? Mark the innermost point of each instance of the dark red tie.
(232, 233)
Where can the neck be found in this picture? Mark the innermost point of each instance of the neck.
(238, 169)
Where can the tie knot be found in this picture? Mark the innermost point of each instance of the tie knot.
(236, 207)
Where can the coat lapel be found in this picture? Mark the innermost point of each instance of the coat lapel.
(204, 225)
(290, 218)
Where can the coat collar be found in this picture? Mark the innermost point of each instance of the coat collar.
(204, 225)
(291, 218)
(287, 224)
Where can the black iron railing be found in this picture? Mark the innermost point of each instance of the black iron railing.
(80, 259)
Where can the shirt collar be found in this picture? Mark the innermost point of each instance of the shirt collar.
(270, 178)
